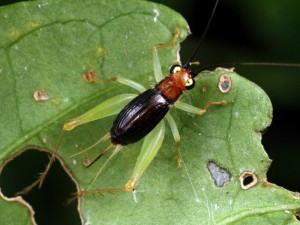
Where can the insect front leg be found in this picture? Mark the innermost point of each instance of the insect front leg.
(158, 74)
(127, 82)
(195, 110)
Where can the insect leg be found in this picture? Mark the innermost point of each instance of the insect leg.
(192, 109)
(156, 63)
(107, 108)
(176, 136)
(131, 83)
(121, 80)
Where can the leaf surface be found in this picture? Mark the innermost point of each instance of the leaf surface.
(49, 45)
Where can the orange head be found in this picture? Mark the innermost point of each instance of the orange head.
(179, 80)
(182, 77)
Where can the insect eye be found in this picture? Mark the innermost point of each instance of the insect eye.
(190, 83)
(175, 69)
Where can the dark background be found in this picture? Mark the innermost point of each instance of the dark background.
(255, 31)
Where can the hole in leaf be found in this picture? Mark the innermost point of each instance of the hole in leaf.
(220, 175)
(248, 180)
(48, 203)
(224, 83)
(9, 2)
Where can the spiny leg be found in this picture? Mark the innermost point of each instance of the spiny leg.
(156, 63)
(195, 110)
(176, 136)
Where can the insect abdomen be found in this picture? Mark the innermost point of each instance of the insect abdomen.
(139, 117)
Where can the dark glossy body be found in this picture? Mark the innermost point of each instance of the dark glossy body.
(139, 117)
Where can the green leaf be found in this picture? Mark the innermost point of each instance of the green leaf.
(8, 208)
(49, 45)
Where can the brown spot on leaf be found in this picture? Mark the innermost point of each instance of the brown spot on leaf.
(248, 180)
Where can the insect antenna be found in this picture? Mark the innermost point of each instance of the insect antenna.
(232, 65)
(295, 65)
(188, 63)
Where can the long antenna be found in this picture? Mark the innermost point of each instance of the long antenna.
(187, 64)
(230, 65)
